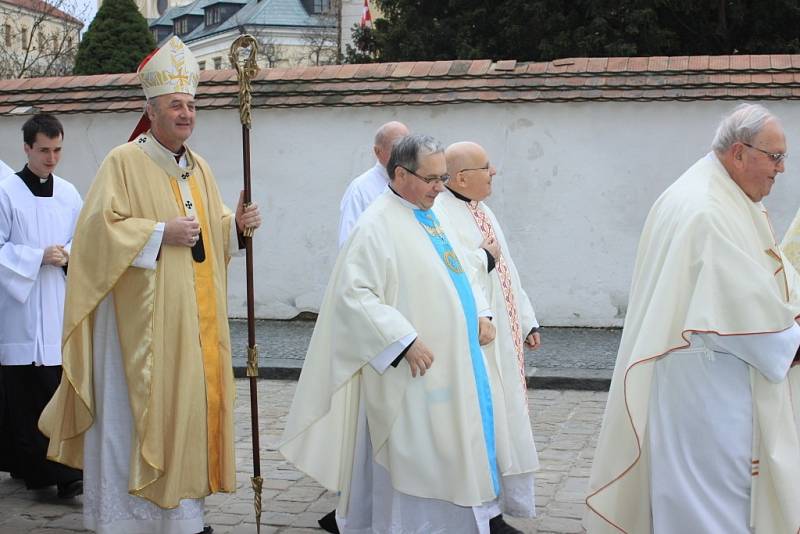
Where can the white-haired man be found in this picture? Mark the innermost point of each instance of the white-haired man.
(368, 186)
(146, 400)
(699, 433)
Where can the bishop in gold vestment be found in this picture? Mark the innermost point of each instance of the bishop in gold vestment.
(146, 399)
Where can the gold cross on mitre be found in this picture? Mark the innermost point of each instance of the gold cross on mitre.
(171, 69)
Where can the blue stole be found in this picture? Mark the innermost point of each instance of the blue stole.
(437, 236)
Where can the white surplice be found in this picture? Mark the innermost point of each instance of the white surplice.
(375, 507)
(108, 508)
(361, 192)
(32, 294)
(700, 429)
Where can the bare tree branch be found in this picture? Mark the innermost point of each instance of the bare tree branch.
(270, 52)
(323, 39)
(39, 38)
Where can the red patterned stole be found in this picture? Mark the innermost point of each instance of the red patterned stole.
(485, 226)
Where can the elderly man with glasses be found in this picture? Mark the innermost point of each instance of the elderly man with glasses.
(396, 405)
(700, 432)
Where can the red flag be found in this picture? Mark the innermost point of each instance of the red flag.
(366, 16)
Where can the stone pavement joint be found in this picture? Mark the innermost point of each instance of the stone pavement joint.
(565, 427)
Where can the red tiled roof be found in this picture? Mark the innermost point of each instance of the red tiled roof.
(40, 6)
(636, 79)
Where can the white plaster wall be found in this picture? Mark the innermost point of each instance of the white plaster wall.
(574, 184)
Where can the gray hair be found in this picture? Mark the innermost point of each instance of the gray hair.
(409, 150)
(744, 123)
(150, 103)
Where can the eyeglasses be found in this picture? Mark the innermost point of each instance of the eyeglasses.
(484, 168)
(430, 179)
(776, 157)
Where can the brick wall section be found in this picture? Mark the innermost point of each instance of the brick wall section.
(637, 79)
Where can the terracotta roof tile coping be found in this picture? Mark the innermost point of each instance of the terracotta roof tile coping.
(661, 78)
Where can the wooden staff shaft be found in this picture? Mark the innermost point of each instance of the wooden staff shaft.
(245, 73)
(251, 315)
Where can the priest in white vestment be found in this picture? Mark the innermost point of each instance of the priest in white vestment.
(476, 227)
(366, 187)
(38, 212)
(699, 433)
(146, 403)
(395, 383)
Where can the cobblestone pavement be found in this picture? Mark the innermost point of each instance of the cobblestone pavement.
(565, 423)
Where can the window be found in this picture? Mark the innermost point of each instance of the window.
(54, 41)
(217, 63)
(69, 43)
(321, 6)
(41, 39)
(213, 16)
(182, 26)
(7, 32)
(161, 5)
(201, 65)
(23, 37)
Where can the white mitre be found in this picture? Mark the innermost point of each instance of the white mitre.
(171, 69)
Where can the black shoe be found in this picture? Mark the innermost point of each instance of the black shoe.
(328, 523)
(498, 526)
(206, 530)
(70, 489)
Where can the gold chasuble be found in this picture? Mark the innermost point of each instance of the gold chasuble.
(172, 323)
(707, 263)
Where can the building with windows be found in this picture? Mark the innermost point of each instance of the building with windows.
(38, 38)
(290, 32)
